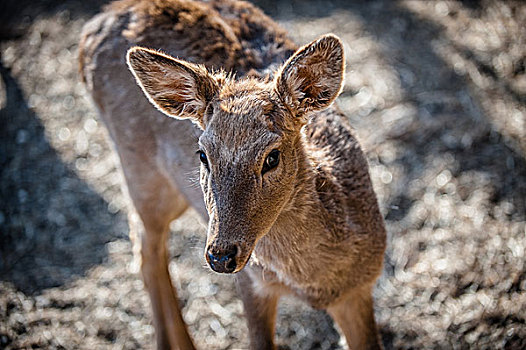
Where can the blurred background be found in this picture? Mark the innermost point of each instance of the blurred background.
(437, 93)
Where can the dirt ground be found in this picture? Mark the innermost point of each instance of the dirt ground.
(437, 93)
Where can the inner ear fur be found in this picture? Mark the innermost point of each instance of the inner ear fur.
(177, 88)
(312, 78)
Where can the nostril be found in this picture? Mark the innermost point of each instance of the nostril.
(233, 253)
(211, 257)
(231, 265)
(231, 261)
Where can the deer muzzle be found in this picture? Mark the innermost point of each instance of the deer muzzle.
(222, 260)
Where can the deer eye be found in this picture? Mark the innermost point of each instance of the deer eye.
(271, 161)
(203, 159)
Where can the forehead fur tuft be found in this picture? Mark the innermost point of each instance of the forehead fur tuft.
(245, 96)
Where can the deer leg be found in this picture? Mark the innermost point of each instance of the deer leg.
(170, 328)
(355, 317)
(158, 203)
(260, 311)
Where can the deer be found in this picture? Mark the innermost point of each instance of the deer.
(284, 183)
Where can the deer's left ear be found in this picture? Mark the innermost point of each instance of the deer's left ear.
(312, 78)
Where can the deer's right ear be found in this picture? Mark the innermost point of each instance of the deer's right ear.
(177, 88)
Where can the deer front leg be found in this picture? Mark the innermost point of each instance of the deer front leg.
(355, 316)
(171, 332)
(157, 204)
(260, 312)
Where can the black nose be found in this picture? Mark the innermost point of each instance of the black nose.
(222, 260)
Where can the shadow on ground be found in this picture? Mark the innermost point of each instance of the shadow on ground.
(17, 15)
(51, 229)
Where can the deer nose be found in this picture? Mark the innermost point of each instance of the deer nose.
(222, 260)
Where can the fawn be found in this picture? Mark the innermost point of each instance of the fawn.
(286, 187)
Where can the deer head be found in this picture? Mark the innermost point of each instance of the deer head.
(251, 136)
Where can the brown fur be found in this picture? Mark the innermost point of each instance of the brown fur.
(309, 226)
